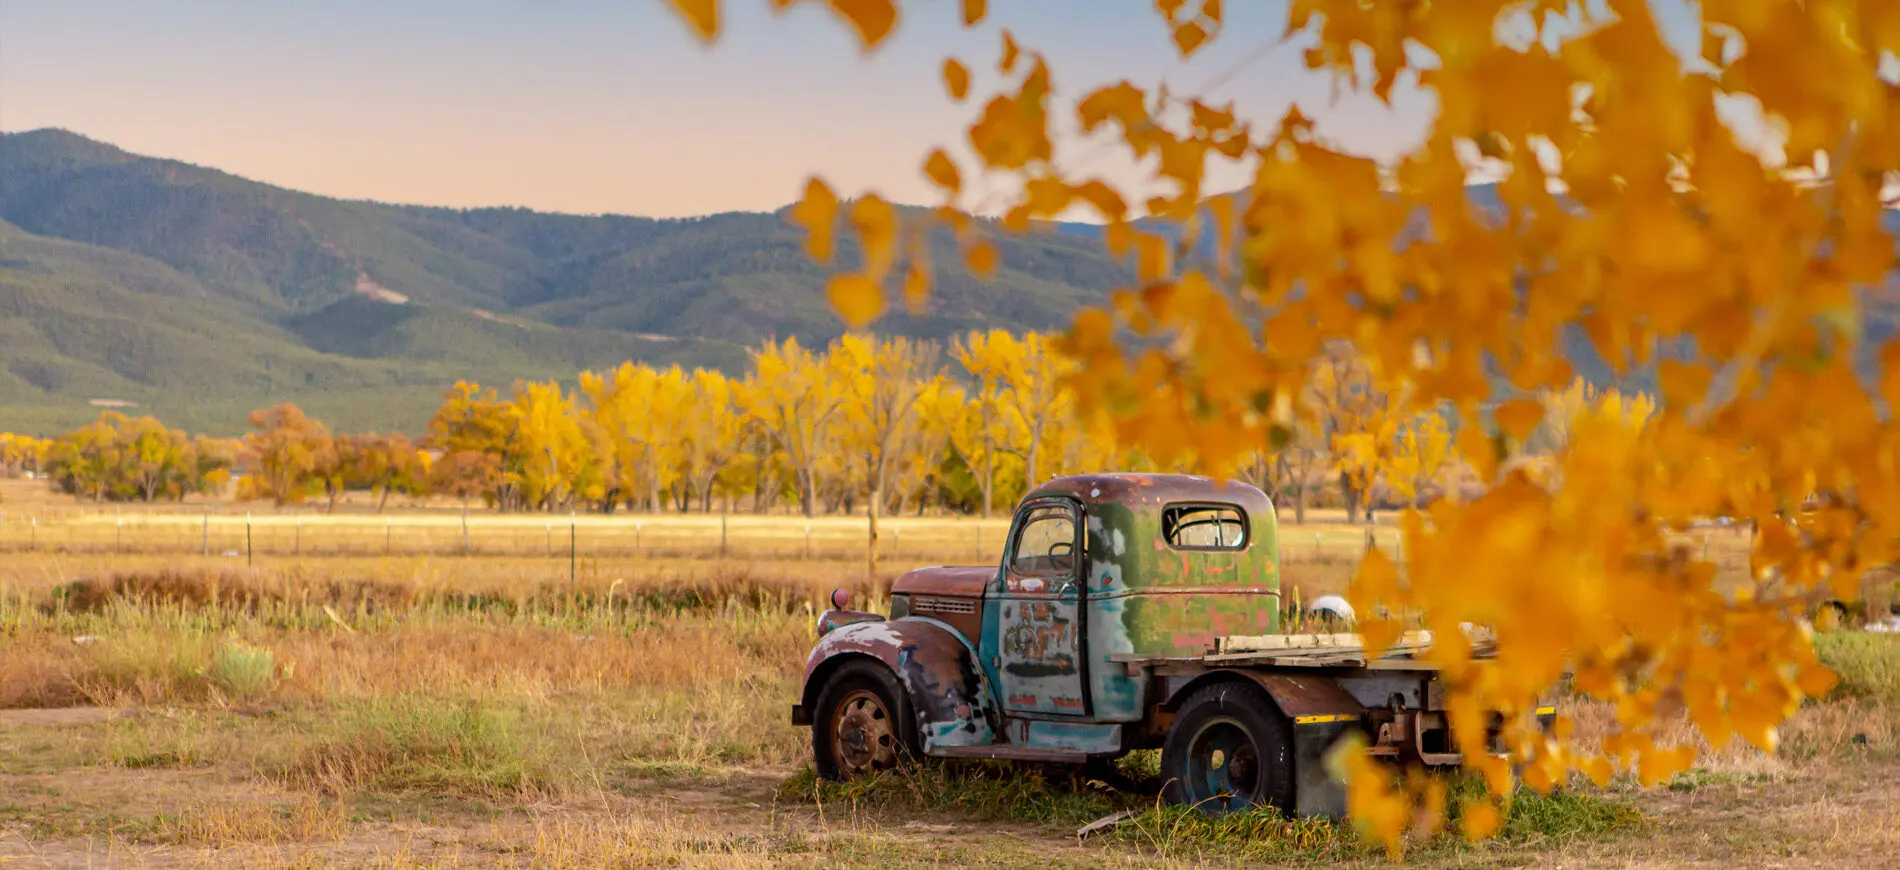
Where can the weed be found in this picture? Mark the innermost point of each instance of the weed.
(243, 672)
(1867, 664)
(985, 790)
(415, 744)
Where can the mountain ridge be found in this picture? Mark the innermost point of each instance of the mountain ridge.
(273, 293)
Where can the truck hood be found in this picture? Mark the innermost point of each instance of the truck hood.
(945, 581)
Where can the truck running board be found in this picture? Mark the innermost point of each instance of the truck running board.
(1010, 752)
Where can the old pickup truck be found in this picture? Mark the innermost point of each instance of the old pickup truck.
(1130, 611)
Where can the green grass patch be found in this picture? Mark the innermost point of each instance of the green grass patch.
(1867, 663)
(995, 792)
(243, 672)
(410, 744)
(990, 791)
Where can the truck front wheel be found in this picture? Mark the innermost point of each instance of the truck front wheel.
(862, 724)
(1228, 750)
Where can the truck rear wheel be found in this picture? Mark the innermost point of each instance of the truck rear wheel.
(1228, 750)
(863, 724)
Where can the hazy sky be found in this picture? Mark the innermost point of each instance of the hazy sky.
(603, 105)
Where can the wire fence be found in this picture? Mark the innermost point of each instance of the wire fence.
(568, 538)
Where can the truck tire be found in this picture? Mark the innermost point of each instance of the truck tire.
(1228, 750)
(862, 724)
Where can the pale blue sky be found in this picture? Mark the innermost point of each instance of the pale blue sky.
(600, 106)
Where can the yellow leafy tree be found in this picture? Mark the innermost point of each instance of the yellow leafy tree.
(1356, 415)
(284, 454)
(880, 382)
(714, 433)
(793, 397)
(1671, 225)
(942, 407)
(1023, 396)
(1423, 453)
(1564, 408)
(641, 414)
(551, 460)
(21, 453)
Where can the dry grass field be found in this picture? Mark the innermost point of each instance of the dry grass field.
(333, 706)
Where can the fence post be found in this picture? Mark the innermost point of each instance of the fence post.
(247, 540)
(1705, 546)
(33, 536)
(808, 542)
(118, 535)
(897, 540)
(296, 543)
(722, 536)
(389, 524)
(979, 543)
(547, 549)
(572, 538)
(468, 547)
(636, 535)
(1371, 541)
(1319, 548)
(205, 544)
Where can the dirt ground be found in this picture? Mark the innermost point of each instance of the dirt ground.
(1842, 811)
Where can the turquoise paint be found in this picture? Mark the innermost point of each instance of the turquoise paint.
(1080, 736)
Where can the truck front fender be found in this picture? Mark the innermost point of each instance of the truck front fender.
(936, 666)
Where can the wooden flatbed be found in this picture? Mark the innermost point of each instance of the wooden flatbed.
(1308, 651)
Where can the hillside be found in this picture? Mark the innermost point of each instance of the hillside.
(198, 294)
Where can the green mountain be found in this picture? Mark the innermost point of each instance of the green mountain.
(198, 295)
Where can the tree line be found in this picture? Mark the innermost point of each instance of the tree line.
(891, 425)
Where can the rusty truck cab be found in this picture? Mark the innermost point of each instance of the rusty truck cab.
(1017, 659)
(1098, 566)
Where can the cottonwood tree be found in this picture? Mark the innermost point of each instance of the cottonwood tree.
(1423, 452)
(715, 433)
(1680, 218)
(793, 396)
(642, 415)
(980, 357)
(881, 383)
(284, 454)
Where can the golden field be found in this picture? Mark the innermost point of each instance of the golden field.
(344, 708)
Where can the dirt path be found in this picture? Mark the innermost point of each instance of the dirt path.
(1842, 812)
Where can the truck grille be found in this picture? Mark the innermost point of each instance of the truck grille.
(943, 605)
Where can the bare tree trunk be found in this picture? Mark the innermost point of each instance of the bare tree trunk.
(807, 496)
(871, 511)
(1350, 495)
(989, 473)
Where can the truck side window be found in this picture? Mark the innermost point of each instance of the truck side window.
(1046, 544)
(1204, 527)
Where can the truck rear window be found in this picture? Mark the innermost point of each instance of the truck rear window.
(1204, 527)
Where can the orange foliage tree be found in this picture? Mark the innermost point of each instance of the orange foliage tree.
(1631, 209)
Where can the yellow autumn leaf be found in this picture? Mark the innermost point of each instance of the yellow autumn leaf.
(1480, 820)
(981, 258)
(956, 79)
(1189, 38)
(701, 15)
(1519, 417)
(855, 297)
(973, 11)
(943, 172)
(817, 212)
(873, 19)
(876, 223)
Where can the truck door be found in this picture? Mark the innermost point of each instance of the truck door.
(1035, 618)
